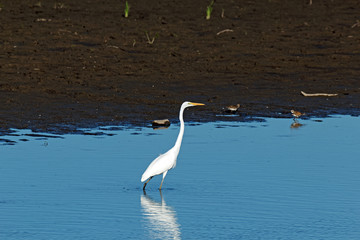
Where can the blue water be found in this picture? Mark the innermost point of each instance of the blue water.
(261, 180)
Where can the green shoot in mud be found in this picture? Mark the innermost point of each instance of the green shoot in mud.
(149, 39)
(209, 9)
(127, 9)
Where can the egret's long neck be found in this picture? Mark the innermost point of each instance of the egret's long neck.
(181, 133)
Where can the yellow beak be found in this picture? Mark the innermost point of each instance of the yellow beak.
(197, 104)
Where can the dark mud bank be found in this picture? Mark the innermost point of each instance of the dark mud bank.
(82, 64)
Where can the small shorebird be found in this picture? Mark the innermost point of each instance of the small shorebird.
(296, 114)
(232, 108)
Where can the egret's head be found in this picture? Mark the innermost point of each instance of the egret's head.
(191, 104)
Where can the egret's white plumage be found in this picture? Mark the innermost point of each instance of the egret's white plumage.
(167, 161)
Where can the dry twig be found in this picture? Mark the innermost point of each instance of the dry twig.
(357, 24)
(319, 94)
(224, 31)
(152, 40)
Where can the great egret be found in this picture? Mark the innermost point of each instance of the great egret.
(167, 161)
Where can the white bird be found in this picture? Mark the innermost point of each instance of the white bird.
(167, 161)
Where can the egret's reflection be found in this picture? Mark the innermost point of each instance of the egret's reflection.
(160, 219)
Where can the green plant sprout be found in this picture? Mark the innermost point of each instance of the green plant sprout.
(152, 40)
(127, 9)
(209, 10)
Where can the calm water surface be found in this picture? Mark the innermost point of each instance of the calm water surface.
(232, 181)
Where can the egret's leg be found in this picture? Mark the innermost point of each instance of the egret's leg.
(161, 184)
(164, 174)
(147, 183)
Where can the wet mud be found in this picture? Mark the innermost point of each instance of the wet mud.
(66, 65)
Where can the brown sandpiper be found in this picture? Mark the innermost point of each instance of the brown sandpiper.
(232, 108)
(296, 114)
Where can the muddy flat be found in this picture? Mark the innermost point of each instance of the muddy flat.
(71, 64)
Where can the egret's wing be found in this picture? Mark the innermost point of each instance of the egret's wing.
(162, 163)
